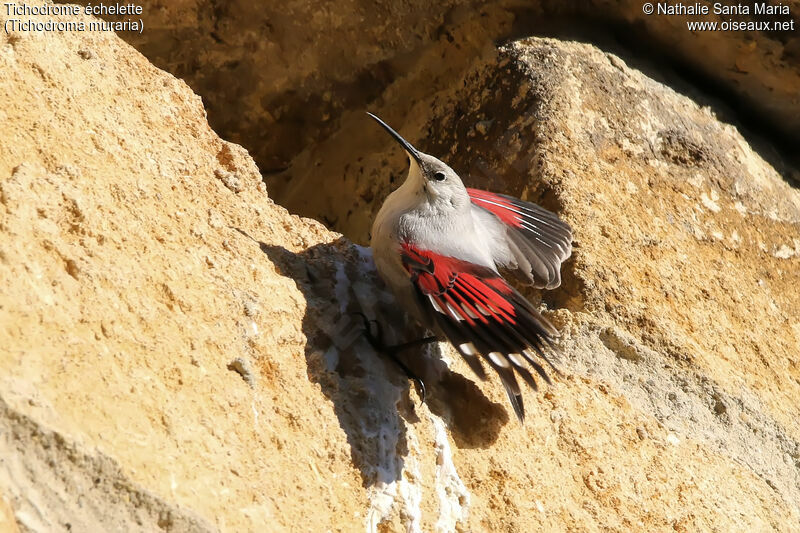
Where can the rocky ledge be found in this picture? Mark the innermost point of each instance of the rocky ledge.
(178, 352)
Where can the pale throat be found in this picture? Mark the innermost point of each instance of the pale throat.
(426, 200)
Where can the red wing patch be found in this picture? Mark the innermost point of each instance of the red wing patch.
(481, 314)
(502, 207)
(538, 237)
(461, 289)
(543, 226)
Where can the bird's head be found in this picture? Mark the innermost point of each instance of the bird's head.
(439, 182)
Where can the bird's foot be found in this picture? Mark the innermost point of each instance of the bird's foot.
(376, 341)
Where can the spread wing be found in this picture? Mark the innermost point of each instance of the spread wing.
(537, 238)
(483, 317)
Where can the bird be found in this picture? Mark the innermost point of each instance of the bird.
(440, 247)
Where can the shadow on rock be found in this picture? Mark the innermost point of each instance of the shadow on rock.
(371, 396)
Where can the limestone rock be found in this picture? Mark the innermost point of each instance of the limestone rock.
(178, 352)
(278, 76)
(132, 277)
(679, 303)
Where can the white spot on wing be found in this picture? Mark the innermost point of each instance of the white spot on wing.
(436, 305)
(468, 348)
(453, 312)
(517, 359)
(498, 359)
(482, 309)
(469, 312)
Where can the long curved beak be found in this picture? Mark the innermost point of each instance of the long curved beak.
(410, 150)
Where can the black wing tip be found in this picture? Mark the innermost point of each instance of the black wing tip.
(518, 405)
(476, 340)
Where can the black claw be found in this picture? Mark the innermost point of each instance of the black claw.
(376, 341)
(421, 386)
(409, 374)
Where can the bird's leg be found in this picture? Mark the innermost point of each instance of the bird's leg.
(376, 341)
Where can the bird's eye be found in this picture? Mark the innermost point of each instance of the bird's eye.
(439, 175)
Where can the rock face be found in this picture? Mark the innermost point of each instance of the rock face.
(277, 76)
(155, 372)
(177, 352)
